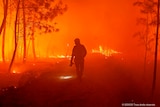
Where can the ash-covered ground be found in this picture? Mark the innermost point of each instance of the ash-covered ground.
(107, 82)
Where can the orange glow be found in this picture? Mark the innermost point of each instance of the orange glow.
(106, 52)
(60, 56)
(104, 22)
(65, 77)
(114, 72)
(15, 72)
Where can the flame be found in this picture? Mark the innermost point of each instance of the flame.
(106, 52)
(59, 56)
(14, 72)
(66, 77)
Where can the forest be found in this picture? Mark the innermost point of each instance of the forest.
(120, 66)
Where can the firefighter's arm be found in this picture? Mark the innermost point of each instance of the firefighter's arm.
(72, 57)
(71, 62)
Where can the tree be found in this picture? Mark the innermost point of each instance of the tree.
(148, 23)
(156, 51)
(15, 35)
(37, 16)
(24, 30)
(3, 27)
(150, 7)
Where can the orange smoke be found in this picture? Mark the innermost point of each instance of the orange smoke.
(105, 22)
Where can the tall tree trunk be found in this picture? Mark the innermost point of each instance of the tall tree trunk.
(146, 45)
(24, 32)
(3, 44)
(33, 47)
(15, 37)
(33, 44)
(5, 3)
(156, 51)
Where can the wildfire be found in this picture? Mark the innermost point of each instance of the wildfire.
(15, 72)
(106, 52)
(59, 56)
(66, 77)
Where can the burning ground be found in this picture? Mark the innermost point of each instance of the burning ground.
(107, 82)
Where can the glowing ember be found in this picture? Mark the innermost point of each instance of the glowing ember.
(14, 71)
(66, 77)
(106, 52)
(61, 56)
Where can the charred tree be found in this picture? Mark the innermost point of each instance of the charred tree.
(33, 43)
(15, 37)
(33, 15)
(3, 28)
(148, 21)
(3, 44)
(156, 51)
(43, 13)
(5, 3)
(24, 32)
(146, 44)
